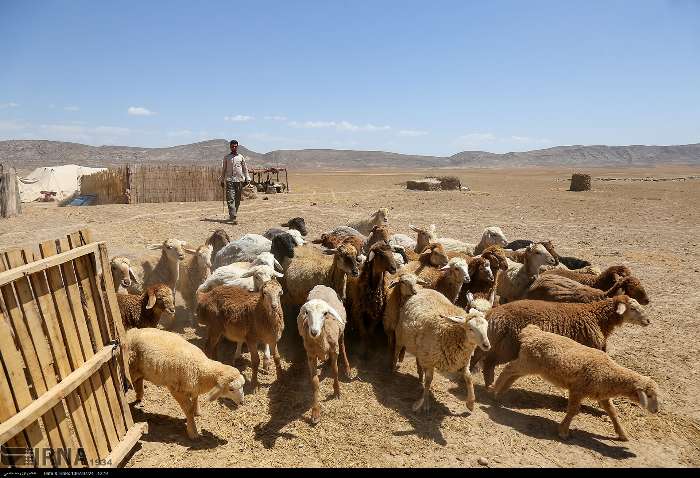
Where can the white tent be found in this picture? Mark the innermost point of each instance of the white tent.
(64, 180)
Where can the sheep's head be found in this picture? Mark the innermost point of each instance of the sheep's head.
(160, 299)
(381, 216)
(218, 240)
(122, 273)
(476, 326)
(267, 259)
(457, 266)
(297, 223)
(647, 394)
(172, 249)
(480, 304)
(497, 257)
(261, 274)
(630, 310)
(493, 235)
(296, 235)
(408, 284)
(313, 315)
(381, 257)
(378, 233)
(632, 287)
(425, 236)
(229, 385)
(480, 267)
(346, 258)
(202, 255)
(618, 272)
(550, 248)
(271, 291)
(536, 255)
(283, 246)
(435, 255)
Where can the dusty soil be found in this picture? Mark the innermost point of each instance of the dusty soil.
(651, 226)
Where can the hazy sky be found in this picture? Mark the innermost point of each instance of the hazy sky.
(406, 76)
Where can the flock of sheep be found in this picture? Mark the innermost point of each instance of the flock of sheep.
(454, 306)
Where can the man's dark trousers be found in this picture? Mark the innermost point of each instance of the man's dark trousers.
(233, 197)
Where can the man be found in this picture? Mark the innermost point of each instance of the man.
(235, 175)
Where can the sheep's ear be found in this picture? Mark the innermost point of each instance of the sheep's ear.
(470, 299)
(413, 228)
(154, 247)
(285, 224)
(492, 298)
(620, 291)
(643, 399)
(278, 266)
(330, 252)
(215, 392)
(621, 308)
(133, 276)
(334, 313)
(188, 250)
(444, 268)
(151, 299)
(277, 274)
(421, 281)
(455, 318)
(370, 256)
(393, 284)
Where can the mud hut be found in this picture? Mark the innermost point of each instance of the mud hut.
(580, 182)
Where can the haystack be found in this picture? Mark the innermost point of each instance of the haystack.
(580, 182)
(431, 183)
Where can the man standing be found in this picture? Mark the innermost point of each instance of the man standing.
(235, 175)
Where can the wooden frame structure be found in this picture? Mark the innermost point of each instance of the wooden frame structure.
(61, 361)
(257, 175)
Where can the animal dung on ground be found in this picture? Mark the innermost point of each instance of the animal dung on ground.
(580, 182)
(442, 183)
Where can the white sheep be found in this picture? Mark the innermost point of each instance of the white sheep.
(167, 359)
(193, 272)
(492, 235)
(440, 335)
(321, 324)
(377, 218)
(512, 283)
(233, 272)
(584, 371)
(124, 277)
(166, 269)
(249, 247)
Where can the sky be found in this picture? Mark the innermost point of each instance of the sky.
(406, 76)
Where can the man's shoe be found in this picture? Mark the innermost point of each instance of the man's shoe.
(233, 221)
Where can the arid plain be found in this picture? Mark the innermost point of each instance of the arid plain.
(651, 226)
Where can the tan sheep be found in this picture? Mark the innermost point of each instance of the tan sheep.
(512, 283)
(556, 288)
(166, 269)
(399, 290)
(583, 371)
(321, 324)
(167, 359)
(378, 218)
(603, 281)
(193, 272)
(492, 235)
(124, 277)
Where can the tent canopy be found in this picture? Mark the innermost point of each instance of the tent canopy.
(64, 180)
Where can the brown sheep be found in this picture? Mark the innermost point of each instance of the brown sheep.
(589, 324)
(603, 281)
(434, 255)
(147, 309)
(449, 280)
(556, 288)
(240, 315)
(482, 281)
(217, 241)
(583, 371)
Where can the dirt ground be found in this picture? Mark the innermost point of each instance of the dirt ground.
(653, 227)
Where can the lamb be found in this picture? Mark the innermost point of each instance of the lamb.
(124, 276)
(424, 237)
(567, 261)
(448, 279)
(361, 242)
(398, 291)
(482, 281)
(482, 304)
(283, 249)
(193, 272)
(434, 255)
(603, 281)
(366, 295)
(583, 371)
(364, 226)
(217, 241)
(167, 359)
(331, 269)
(245, 249)
(239, 315)
(321, 324)
(512, 283)
(149, 308)
(166, 269)
(234, 272)
(297, 223)
(519, 255)
(276, 231)
(558, 288)
(589, 324)
(492, 235)
(440, 335)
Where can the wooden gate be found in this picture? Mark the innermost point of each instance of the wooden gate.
(62, 395)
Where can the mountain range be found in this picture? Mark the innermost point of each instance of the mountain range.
(29, 154)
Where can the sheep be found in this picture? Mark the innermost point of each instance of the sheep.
(448, 279)
(234, 272)
(147, 309)
(482, 304)
(603, 281)
(283, 249)
(512, 283)
(424, 237)
(585, 373)
(244, 249)
(434, 255)
(366, 295)
(398, 291)
(297, 223)
(193, 272)
(567, 261)
(440, 335)
(361, 242)
(167, 359)
(123, 275)
(364, 226)
(239, 315)
(331, 269)
(276, 231)
(321, 324)
(217, 241)
(482, 280)
(558, 288)
(166, 269)
(589, 324)
(519, 255)
(492, 235)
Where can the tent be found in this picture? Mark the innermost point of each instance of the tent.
(64, 180)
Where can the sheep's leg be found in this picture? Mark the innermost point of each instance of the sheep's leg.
(471, 398)
(138, 388)
(276, 356)
(508, 376)
(489, 368)
(610, 409)
(573, 409)
(392, 350)
(266, 358)
(188, 409)
(255, 362)
(424, 401)
(395, 362)
(195, 405)
(344, 356)
(239, 351)
(420, 371)
(212, 341)
(334, 369)
(316, 407)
